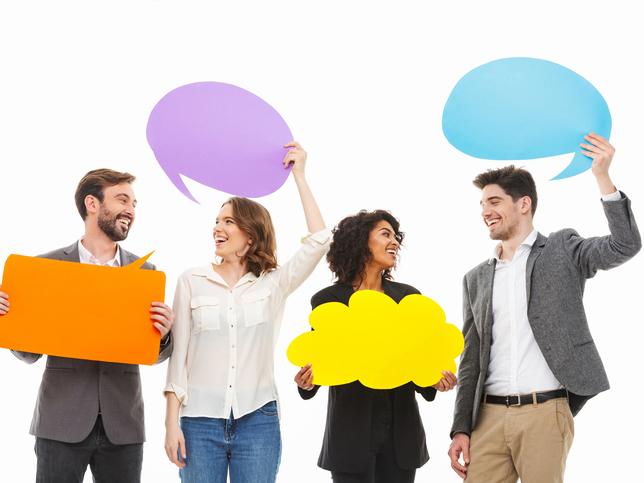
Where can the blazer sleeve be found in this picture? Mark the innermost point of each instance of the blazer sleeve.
(468, 371)
(605, 252)
(28, 357)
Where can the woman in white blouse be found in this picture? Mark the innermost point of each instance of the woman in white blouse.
(227, 318)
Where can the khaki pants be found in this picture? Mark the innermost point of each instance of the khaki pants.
(530, 442)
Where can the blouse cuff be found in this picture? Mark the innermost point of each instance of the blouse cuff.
(321, 237)
(181, 394)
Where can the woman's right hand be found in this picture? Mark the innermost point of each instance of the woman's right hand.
(175, 444)
(304, 378)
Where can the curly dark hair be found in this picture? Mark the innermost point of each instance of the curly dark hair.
(349, 252)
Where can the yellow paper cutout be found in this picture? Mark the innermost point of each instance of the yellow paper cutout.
(378, 342)
(80, 310)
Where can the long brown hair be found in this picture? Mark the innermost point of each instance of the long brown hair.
(255, 221)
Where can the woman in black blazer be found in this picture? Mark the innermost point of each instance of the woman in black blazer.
(371, 435)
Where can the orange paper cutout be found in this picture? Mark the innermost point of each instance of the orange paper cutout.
(80, 310)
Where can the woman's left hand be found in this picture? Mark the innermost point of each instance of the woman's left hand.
(296, 156)
(447, 382)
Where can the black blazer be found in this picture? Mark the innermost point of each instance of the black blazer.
(348, 423)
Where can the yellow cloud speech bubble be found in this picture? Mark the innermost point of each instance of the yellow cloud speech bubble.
(378, 342)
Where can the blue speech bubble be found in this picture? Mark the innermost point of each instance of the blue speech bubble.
(522, 108)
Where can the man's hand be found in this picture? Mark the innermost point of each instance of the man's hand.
(460, 444)
(601, 152)
(447, 382)
(4, 303)
(304, 378)
(162, 317)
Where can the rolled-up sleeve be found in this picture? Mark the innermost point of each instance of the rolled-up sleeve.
(303, 262)
(177, 378)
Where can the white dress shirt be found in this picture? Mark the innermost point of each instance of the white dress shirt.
(86, 256)
(517, 365)
(224, 338)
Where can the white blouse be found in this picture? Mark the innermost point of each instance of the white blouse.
(224, 339)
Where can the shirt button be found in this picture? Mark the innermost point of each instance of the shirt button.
(230, 386)
(230, 308)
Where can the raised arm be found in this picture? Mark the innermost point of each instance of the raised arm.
(297, 156)
(624, 241)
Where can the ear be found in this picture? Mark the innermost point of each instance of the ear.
(91, 204)
(526, 204)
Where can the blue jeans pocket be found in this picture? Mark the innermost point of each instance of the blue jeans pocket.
(269, 409)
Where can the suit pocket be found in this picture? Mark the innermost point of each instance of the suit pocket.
(205, 313)
(256, 307)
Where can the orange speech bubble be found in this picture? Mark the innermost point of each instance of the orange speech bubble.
(79, 310)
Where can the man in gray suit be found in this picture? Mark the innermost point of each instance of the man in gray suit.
(90, 412)
(530, 362)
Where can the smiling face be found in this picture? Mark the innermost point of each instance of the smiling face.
(230, 240)
(116, 212)
(501, 214)
(383, 245)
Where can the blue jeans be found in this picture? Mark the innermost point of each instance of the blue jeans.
(248, 447)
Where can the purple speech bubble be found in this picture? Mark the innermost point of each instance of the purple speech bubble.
(219, 135)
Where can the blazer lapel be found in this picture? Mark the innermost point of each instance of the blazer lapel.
(537, 248)
(487, 284)
(126, 257)
(71, 253)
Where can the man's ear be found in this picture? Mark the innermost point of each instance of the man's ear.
(526, 204)
(91, 204)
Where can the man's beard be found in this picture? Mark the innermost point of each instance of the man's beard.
(506, 234)
(110, 226)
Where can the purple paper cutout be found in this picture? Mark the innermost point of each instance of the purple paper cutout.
(219, 135)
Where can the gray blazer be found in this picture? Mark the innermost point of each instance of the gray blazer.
(73, 391)
(556, 272)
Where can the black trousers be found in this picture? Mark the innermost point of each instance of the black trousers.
(60, 462)
(382, 467)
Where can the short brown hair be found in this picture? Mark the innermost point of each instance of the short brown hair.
(516, 182)
(255, 221)
(94, 182)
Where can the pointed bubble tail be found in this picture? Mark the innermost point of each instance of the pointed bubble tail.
(579, 164)
(139, 263)
(179, 184)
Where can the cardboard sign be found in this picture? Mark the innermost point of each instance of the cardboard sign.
(378, 342)
(82, 311)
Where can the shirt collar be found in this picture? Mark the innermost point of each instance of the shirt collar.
(210, 273)
(528, 241)
(86, 256)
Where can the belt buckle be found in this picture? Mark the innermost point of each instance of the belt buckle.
(507, 401)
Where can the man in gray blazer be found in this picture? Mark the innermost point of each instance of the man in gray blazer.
(90, 412)
(530, 362)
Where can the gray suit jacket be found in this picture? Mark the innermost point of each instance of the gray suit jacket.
(556, 272)
(73, 391)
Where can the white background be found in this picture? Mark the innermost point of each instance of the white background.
(362, 85)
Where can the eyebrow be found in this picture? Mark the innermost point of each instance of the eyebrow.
(225, 218)
(124, 195)
(491, 198)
